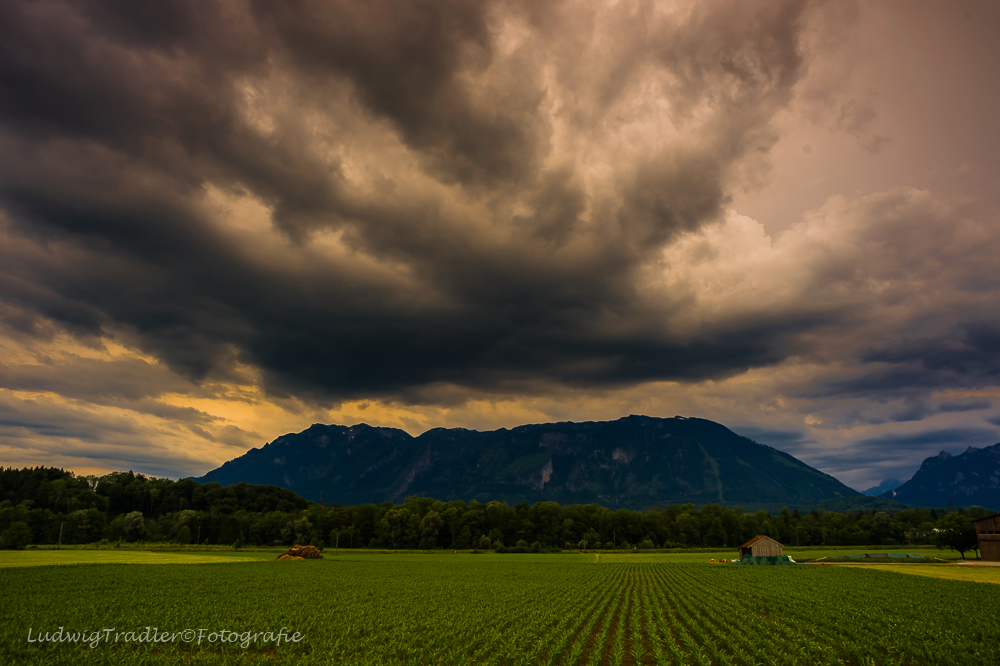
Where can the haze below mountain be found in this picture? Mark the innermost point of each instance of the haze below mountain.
(882, 488)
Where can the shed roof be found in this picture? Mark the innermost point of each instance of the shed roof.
(756, 539)
(995, 515)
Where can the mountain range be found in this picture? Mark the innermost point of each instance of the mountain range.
(971, 478)
(634, 462)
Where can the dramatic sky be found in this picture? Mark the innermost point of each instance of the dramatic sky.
(224, 220)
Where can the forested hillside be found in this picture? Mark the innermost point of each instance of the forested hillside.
(635, 462)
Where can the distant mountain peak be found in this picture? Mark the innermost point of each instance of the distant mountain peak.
(971, 478)
(633, 462)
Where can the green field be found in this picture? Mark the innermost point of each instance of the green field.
(408, 608)
(950, 571)
(34, 558)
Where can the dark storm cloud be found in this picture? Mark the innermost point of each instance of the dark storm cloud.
(116, 116)
(786, 440)
(28, 419)
(911, 447)
(499, 181)
(403, 61)
(64, 434)
(964, 405)
(969, 349)
(968, 355)
(131, 384)
(898, 454)
(952, 439)
(919, 408)
(92, 379)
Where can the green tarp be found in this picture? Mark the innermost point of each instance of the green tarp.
(765, 560)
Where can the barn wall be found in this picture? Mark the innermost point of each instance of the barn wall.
(988, 533)
(766, 548)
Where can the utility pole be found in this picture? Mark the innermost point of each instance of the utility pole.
(59, 545)
(198, 541)
(336, 543)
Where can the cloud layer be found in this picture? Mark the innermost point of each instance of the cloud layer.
(444, 192)
(425, 206)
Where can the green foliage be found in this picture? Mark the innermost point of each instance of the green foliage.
(957, 532)
(16, 537)
(130, 507)
(134, 526)
(430, 529)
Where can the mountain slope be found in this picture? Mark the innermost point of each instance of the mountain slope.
(634, 462)
(968, 479)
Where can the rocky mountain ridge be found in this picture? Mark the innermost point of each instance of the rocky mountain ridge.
(634, 462)
(971, 478)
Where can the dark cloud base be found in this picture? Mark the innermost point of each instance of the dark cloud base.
(478, 247)
(115, 117)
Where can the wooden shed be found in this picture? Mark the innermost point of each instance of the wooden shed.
(988, 533)
(761, 546)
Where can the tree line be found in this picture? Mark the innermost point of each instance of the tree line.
(45, 505)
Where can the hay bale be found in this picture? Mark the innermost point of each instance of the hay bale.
(302, 553)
